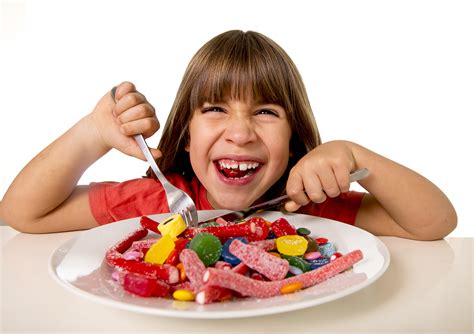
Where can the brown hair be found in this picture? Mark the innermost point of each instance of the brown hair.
(232, 65)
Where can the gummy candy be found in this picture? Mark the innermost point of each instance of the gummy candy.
(207, 246)
(292, 245)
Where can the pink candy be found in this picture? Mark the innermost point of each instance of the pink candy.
(258, 259)
(263, 289)
(193, 267)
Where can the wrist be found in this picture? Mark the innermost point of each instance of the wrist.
(95, 145)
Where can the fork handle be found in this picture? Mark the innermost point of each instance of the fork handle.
(149, 157)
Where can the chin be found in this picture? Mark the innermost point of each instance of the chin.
(233, 204)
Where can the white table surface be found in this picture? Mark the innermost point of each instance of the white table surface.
(427, 288)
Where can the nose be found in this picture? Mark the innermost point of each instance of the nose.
(240, 131)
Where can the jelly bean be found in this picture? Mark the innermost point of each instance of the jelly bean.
(182, 272)
(335, 256)
(312, 256)
(297, 262)
(257, 276)
(160, 250)
(295, 270)
(327, 249)
(293, 245)
(227, 256)
(281, 227)
(183, 295)
(319, 262)
(207, 247)
(321, 241)
(275, 254)
(303, 231)
(271, 235)
(290, 288)
(172, 226)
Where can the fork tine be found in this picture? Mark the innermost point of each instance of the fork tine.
(185, 215)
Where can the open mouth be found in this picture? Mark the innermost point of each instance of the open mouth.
(237, 169)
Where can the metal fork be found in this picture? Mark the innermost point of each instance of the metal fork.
(178, 200)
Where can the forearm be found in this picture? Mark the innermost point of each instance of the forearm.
(51, 177)
(414, 203)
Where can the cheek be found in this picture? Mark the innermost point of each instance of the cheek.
(279, 149)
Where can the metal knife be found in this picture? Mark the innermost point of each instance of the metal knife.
(357, 175)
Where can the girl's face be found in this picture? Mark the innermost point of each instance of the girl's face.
(238, 150)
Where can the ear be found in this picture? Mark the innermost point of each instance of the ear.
(186, 147)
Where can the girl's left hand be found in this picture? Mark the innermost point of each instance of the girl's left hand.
(322, 172)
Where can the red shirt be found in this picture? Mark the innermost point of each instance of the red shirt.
(113, 201)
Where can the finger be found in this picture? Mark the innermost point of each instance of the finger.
(140, 111)
(128, 101)
(342, 178)
(112, 92)
(146, 126)
(295, 189)
(291, 206)
(123, 89)
(329, 184)
(156, 153)
(314, 188)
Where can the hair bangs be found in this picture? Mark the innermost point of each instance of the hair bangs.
(244, 70)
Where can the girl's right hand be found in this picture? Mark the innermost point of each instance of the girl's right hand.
(117, 121)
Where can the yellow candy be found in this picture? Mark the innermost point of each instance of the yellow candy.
(184, 295)
(293, 245)
(290, 288)
(173, 226)
(160, 250)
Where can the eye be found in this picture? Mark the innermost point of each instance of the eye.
(212, 109)
(269, 112)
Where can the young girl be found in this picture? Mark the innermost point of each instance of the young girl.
(241, 130)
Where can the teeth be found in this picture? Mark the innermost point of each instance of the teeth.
(243, 166)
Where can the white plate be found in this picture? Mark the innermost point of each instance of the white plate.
(78, 265)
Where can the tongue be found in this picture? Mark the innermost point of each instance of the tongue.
(234, 173)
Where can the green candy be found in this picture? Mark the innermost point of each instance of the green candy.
(207, 246)
(297, 262)
(303, 231)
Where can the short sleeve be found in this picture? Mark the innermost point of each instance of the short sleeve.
(343, 208)
(113, 201)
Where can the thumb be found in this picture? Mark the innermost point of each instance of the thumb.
(156, 153)
(292, 206)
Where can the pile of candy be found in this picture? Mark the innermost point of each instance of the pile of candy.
(221, 260)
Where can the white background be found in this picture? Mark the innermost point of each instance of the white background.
(394, 76)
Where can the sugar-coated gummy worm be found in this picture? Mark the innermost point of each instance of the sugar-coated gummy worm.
(144, 286)
(267, 244)
(149, 224)
(209, 294)
(262, 289)
(259, 260)
(256, 229)
(193, 267)
(114, 258)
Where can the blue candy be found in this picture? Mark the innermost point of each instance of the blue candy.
(327, 249)
(319, 262)
(227, 256)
